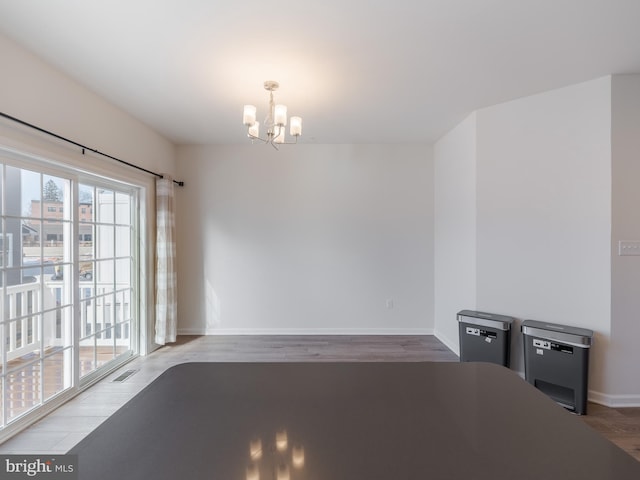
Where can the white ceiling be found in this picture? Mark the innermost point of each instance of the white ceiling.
(357, 71)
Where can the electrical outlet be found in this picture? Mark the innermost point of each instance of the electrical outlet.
(628, 247)
(389, 303)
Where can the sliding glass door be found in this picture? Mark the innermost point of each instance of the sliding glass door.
(106, 266)
(67, 278)
(37, 351)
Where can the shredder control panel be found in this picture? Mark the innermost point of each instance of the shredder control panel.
(547, 345)
(479, 332)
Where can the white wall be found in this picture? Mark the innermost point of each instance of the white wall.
(544, 203)
(543, 214)
(455, 228)
(622, 378)
(33, 91)
(310, 239)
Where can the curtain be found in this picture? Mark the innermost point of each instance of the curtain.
(166, 277)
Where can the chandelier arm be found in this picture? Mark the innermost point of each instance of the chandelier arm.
(253, 137)
(291, 143)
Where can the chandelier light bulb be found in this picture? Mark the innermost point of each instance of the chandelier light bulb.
(295, 129)
(280, 114)
(249, 115)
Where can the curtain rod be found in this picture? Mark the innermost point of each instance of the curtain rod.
(84, 147)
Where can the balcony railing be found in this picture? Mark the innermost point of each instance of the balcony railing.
(23, 302)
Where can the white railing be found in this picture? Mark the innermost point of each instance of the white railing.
(23, 336)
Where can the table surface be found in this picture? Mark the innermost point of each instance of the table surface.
(348, 421)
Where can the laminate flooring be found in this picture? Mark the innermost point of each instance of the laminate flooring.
(63, 428)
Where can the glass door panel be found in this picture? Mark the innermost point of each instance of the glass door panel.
(111, 264)
(37, 293)
(67, 265)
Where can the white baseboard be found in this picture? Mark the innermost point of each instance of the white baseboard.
(305, 331)
(450, 344)
(614, 401)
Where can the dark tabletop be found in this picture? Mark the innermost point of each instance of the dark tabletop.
(346, 421)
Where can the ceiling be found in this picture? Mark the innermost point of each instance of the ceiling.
(357, 71)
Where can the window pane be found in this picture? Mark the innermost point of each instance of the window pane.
(87, 354)
(123, 241)
(22, 341)
(87, 318)
(123, 337)
(86, 274)
(85, 203)
(5, 247)
(104, 276)
(23, 390)
(56, 236)
(57, 286)
(105, 313)
(106, 347)
(55, 198)
(105, 241)
(104, 213)
(31, 241)
(57, 373)
(1, 184)
(123, 208)
(85, 239)
(123, 272)
(22, 193)
(23, 299)
(58, 329)
(123, 306)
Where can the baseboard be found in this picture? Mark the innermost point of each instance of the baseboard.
(614, 401)
(450, 344)
(305, 331)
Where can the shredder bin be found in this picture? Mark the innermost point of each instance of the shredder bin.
(484, 337)
(556, 362)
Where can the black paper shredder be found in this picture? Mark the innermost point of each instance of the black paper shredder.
(556, 362)
(484, 337)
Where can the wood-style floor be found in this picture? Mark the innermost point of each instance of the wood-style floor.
(62, 429)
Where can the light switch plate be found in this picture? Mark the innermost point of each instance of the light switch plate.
(628, 247)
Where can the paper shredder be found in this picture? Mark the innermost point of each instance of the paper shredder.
(556, 362)
(484, 337)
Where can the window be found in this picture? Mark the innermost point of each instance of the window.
(80, 278)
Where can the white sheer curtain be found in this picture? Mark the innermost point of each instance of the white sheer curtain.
(166, 277)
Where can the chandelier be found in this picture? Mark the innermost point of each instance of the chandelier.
(275, 122)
